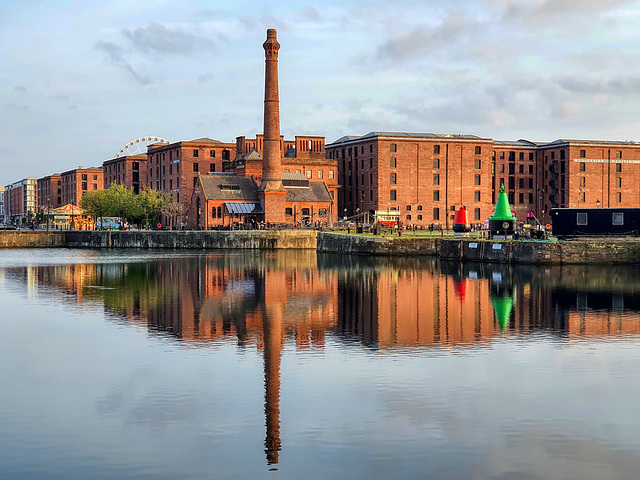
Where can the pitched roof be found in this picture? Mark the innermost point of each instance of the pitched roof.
(315, 192)
(224, 186)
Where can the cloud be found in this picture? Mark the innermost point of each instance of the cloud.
(422, 39)
(205, 78)
(20, 89)
(540, 11)
(160, 40)
(115, 56)
(17, 108)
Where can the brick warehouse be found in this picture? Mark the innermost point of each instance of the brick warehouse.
(425, 175)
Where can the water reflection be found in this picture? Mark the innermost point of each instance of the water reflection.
(269, 300)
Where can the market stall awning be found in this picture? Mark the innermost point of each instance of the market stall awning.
(247, 208)
(68, 209)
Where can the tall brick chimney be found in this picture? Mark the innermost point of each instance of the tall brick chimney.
(272, 193)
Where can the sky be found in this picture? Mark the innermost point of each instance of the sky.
(80, 79)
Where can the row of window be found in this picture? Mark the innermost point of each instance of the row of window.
(583, 167)
(512, 156)
(512, 169)
(582, 197)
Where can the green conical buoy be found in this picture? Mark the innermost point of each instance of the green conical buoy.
(503, 209)
(502, 307)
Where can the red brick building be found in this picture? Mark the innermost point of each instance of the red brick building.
(423, 176)
(130, 170)
(305, 155)
(49, 192)
(174, 168)
(78, 181)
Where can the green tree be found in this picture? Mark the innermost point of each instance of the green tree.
(97, 204)
(150, 202)
(122, 201)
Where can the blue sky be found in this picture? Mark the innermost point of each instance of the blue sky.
(79, 79)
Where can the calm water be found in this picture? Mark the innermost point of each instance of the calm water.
(253, 365)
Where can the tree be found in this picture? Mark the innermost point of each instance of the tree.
(122, 201)
(173, 210)
(97, 204)
(150, 203)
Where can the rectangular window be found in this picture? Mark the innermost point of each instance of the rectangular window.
(619, 197)
(501, 155)
(321, 174)
(583, 154)
(309, 173)
(436, 163)
(84, 176)
(520, 168)
(436, 179)
(436, 214)
(582, 166)
(392, 162)
(619, 154)
(521, 198)
(195, 167)
(531, 156)
(408, 208)
(521, 155)
(331, 174)
(393, 148)
(476, 196)
(581, 218)
(618, 167)
(84, 185)
(476, 214)
(212, 167)
(195, 153)
(419, 217)
(436, 195)
(531, 169)
(212, 153)
(501, 169)
(392, 195)
(213, 212)
(521, 183)
(392, 179)
(478, 150)
(619, 182)
(371, 195)
(531, 183)
(478, 164)
(419, 208)
(477, 180)
(582, 197)
(288, 211)
(436, 149)
(617, 218)
(531, 198)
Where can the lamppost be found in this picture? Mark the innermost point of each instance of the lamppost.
(598, 203)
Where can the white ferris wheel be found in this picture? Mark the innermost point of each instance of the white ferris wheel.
(139, 146)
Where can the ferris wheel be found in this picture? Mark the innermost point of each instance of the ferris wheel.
(139, 146)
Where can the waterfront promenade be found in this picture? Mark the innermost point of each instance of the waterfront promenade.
(540, 252)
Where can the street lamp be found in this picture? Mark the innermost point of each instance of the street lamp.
(598, 203)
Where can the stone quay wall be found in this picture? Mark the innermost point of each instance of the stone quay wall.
(30, 239)
(578, 251)
(249, 239)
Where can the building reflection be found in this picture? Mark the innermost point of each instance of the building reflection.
(265, 300)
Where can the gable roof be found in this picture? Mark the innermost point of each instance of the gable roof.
(224, 186)
(315, 192)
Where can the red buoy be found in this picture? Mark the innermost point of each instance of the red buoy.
(460, 222)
